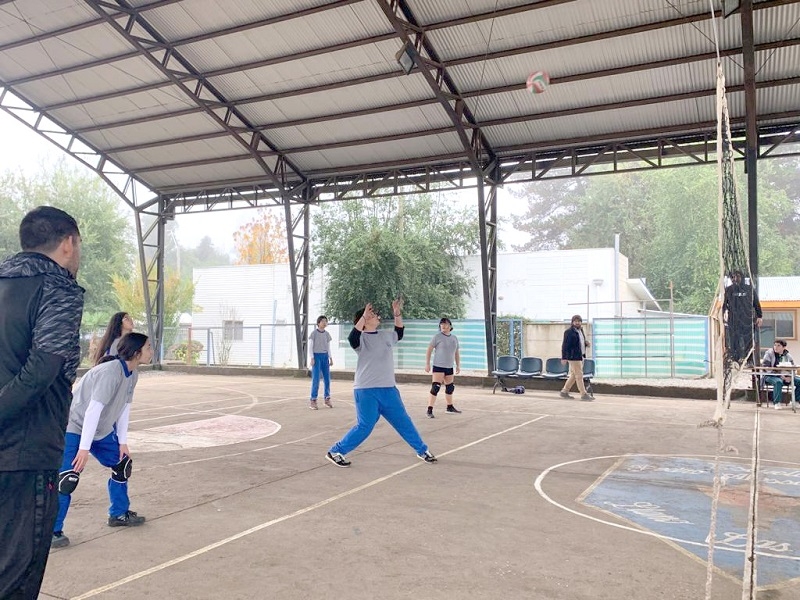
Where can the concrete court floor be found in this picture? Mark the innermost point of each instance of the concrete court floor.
(533, 497)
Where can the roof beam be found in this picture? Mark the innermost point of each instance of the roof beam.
(255, 139)
(375, 39)
(485, 124)
(275, 20)
(464, 60)
(441, 84)
(79, 26)
(468, 94)
(257, 64)
(551, 145)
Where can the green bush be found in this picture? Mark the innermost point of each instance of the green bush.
(179, 351)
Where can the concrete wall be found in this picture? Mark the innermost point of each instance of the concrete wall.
(544, 339)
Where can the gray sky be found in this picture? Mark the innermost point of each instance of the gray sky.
(31, 152)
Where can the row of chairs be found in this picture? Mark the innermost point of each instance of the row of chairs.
(512, 368)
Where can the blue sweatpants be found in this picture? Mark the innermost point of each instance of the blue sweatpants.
(106, 451)
(371, 404)
(322, 366)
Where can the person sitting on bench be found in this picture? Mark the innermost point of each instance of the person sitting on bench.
(776, 355)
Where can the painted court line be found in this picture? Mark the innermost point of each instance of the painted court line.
(297, 513)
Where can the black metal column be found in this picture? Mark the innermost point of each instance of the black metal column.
(751, 128)
(487, 223)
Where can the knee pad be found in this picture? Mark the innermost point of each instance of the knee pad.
(435, 387)
(68, 481)
(448, 389)
(121, 471)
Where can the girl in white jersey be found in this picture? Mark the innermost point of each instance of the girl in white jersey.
(120, 324)
(98, 425)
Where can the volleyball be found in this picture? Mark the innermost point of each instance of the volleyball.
(538, 82)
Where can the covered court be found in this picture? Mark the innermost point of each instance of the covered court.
(533, 497)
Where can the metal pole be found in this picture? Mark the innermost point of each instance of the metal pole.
(617, 305)
(671, 334)
(751, 126)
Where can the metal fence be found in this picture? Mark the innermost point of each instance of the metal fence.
(651, 347)
(648, 347)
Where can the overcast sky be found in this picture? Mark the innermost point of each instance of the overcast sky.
(24, 149)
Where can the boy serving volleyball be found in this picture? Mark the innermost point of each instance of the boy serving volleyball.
(374, 388)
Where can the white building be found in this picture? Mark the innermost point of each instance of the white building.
(244, 313)
(553, 285)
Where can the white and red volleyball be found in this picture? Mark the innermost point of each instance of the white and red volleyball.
(538, 82)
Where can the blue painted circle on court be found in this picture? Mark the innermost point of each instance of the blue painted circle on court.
(669, 497)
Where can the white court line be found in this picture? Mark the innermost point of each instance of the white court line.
(197, 460)
(297, 513)
(219, 410)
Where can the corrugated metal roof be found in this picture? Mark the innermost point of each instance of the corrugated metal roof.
(318, 80)
(779, 289)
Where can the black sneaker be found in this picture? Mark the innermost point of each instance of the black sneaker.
(452, 409)
(338, 459)
(128, 519)
(427, 457)
(59, 540)
(430, 412)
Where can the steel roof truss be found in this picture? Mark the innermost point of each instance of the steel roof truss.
(136, 21)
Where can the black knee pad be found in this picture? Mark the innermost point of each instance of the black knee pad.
(68, 481)
(448, 389)
(121, 472)
(435, 387)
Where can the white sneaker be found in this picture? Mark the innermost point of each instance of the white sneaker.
(777, 406)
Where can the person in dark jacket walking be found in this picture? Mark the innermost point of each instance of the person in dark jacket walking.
(41, 305)
(573, 351)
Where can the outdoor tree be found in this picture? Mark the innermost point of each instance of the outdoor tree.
(668, 223)
(129, 295)
(262, 240)
(376, 250)
(107, 247)
(185, 259)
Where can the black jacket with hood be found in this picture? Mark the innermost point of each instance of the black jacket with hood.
(41, 306)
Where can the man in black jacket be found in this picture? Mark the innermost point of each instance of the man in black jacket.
(41, 305)
(573, 351)
(742, 312)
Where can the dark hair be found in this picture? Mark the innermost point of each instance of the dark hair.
(113, 331)
(320, 318)
(446, 320)
(44, 228)
(781, 342)
(359, 314)
(574, 317)
(129, 346)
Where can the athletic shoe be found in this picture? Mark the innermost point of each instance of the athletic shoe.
(328, 402)
(312, 404)
(427, 457)
(452, 409)
(127, 519)
(778, 407)
(587, 398)
(565, 395)
(59, 540)
(338, 459)
(430, 412)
